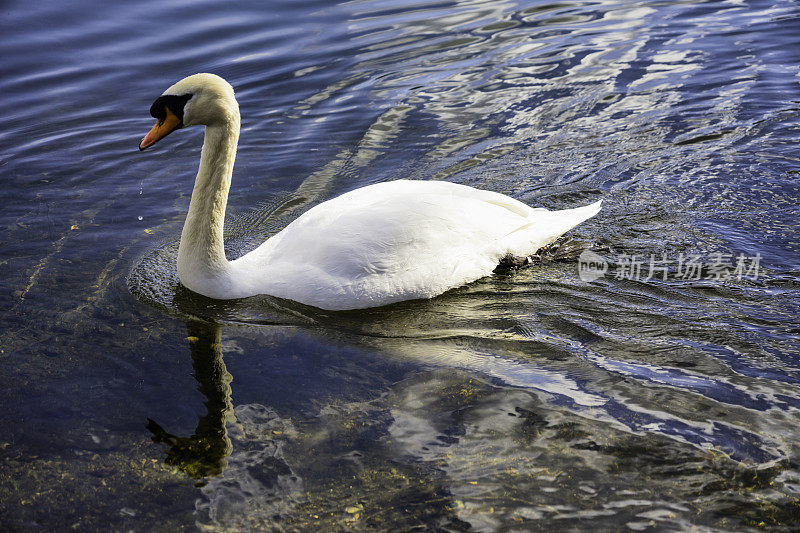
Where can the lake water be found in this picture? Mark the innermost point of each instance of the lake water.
(529, 400)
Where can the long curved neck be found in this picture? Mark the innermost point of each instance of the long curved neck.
(202, 265)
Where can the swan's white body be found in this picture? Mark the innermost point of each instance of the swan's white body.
(373, 246)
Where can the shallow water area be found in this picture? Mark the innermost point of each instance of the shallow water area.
(662, 395)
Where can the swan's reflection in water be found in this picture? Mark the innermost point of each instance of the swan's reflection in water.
(505, 405)
(205, 452)
(251, 480)
(464, 436)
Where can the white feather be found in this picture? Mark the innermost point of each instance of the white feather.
(373, 246)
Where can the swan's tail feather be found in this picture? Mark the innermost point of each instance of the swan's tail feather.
(544, 227)
(569, 218)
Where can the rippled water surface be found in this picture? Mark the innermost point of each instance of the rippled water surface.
(529, 400)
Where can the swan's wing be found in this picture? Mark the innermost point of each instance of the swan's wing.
(396, 241)
(395, 227)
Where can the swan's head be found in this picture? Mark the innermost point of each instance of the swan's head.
(198, 100)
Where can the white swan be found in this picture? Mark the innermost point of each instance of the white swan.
(373, 246)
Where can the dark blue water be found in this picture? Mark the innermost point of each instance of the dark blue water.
(529, 400)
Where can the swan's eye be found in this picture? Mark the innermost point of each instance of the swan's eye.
(175, 104)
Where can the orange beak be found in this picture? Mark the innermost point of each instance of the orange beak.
(161, 129)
